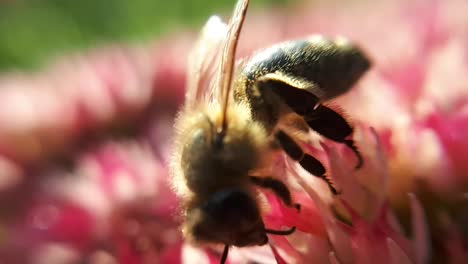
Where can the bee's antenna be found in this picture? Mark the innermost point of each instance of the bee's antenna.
(228, 57)
(225, 254)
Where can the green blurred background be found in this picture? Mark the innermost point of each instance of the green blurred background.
(33, 30)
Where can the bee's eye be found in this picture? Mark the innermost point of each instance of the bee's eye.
(199, 137)
(195, 142)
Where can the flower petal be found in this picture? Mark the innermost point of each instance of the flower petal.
(397, 256)
(421, 243)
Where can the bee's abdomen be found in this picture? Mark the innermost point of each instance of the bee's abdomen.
(332, 66)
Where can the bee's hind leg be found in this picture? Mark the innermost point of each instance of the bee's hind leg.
(334, 126)
(318, 117)
(309, 163)
(278, 187)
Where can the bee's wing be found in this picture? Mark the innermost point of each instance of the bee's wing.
(203, 62)
(211, 62)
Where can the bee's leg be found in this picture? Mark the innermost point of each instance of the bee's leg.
(278, 187)
(320, 118)
(307, 162)
(332, 125)
(286, 232)
(225, 254)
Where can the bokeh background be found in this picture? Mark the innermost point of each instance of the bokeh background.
(89, 89)
(33, 31)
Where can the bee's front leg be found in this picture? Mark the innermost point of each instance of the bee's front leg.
(278, 187)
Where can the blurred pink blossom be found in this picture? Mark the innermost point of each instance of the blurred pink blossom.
(83, 146)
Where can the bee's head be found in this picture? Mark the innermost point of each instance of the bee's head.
(231, 217)
(226, 155)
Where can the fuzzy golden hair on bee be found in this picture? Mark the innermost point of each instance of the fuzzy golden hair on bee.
(197, 150)
(237, 117)
(207, 169)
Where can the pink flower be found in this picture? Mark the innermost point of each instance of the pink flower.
(356, 227)
(83, 146)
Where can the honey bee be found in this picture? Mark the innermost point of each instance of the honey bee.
(232, 123)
